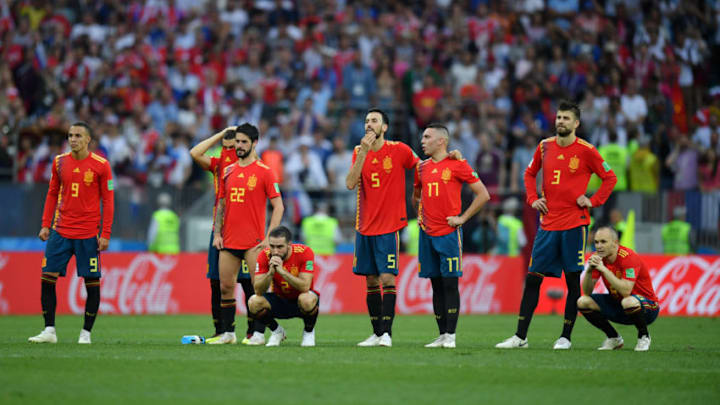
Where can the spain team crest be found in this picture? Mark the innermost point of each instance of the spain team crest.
(252, 182)
(387, 164)
(574, 163)
(446, 175)
(88, 177)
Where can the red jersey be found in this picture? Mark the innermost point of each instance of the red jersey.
(246, 190)
(217, 165)
(381, 191)
(629, 266)
(566, 173)
(440, 184)
(301, 260)
(72, 205)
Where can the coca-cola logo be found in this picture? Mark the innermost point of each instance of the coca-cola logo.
(4, 304)
(477, 292)
(689, 283)
(141, 287)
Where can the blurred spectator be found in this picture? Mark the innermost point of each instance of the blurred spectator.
(164, 231)
(6, 160)
(338, 167)
(490, 166)
(683, 161)
(644, 169)
(304, 168)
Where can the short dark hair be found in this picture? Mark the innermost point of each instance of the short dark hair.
(250, 130)
(84, 125)
(441, 127)
(229, 134)
(281, 232)
(567, 105)
(384, 116)
(613, 232)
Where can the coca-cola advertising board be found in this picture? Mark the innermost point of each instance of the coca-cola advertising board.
(141, 283)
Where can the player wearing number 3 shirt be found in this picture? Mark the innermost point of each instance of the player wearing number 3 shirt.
(438, 184)
(567, 163)
(71, 221)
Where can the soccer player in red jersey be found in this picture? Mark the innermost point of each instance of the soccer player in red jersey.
(378, 171)
(71, 220)
(438, 186)
(245, 188)
(216, 166)
(288, 268)
(631, 300)
(567, 162)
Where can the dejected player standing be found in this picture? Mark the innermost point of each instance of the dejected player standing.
(567, 162)
(216, 166)
(438, 186)
(378, 171)
(289, 268)
(71, 220)
(631, 299)
(245, 187)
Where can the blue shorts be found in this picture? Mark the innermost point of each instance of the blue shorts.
(440, 256)
(283, 308)
(376, 254)
(213, 262)
(555, 251)
(59, 250)
(613, 310)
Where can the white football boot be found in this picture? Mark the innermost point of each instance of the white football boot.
(84, 338)
(438, 342)
(562, 344)
(277, 336)
(308, 339)
(513, 342)
(46, 336)
(612, 343)
(373, 340)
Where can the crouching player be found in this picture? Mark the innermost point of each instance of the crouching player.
(288, 267)
(631, 300)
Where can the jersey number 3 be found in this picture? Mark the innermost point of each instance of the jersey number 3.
(556, 177)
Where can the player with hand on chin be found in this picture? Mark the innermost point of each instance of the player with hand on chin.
(567, 162)
(289, 269)
(71, 220)
(245, 188)
(631, 299)
(437, 196)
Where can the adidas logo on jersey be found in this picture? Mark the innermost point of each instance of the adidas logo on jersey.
(241, 175)
(375, 161)
(561, 157)
(434, 171)
(77, 170)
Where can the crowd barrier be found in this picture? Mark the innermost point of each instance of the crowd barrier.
(142, 283)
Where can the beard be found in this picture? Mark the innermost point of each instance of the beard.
(563, 132)
(242, 155)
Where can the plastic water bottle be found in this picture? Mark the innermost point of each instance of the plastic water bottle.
(192, 339)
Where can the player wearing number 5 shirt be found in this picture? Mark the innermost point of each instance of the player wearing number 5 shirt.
(72, 218)
(567, 162)
(438, 185)
(245, 188)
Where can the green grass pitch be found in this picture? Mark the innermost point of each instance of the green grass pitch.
(139, 359)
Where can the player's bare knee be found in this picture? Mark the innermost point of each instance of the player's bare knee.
(387, 279)
(630, 302)
(585, 302)
(307, 301)
(372, 281)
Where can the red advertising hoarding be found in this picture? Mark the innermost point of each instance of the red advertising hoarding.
(141, 283)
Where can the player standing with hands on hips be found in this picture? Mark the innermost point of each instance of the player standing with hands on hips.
(437, 196)
(71, 220)
(567, 162)
(245, 187)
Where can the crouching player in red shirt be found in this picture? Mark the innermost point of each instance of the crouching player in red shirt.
(438, 183)
(631, 300)
(71, 220)
(288, 268)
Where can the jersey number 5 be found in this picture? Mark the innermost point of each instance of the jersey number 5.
(375, 177)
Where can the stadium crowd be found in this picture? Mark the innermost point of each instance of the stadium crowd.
(154, 77)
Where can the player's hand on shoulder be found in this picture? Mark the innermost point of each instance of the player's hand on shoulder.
(455, 154)
(541, 205)
(44, 234)
(103, 244)
(584, 202)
